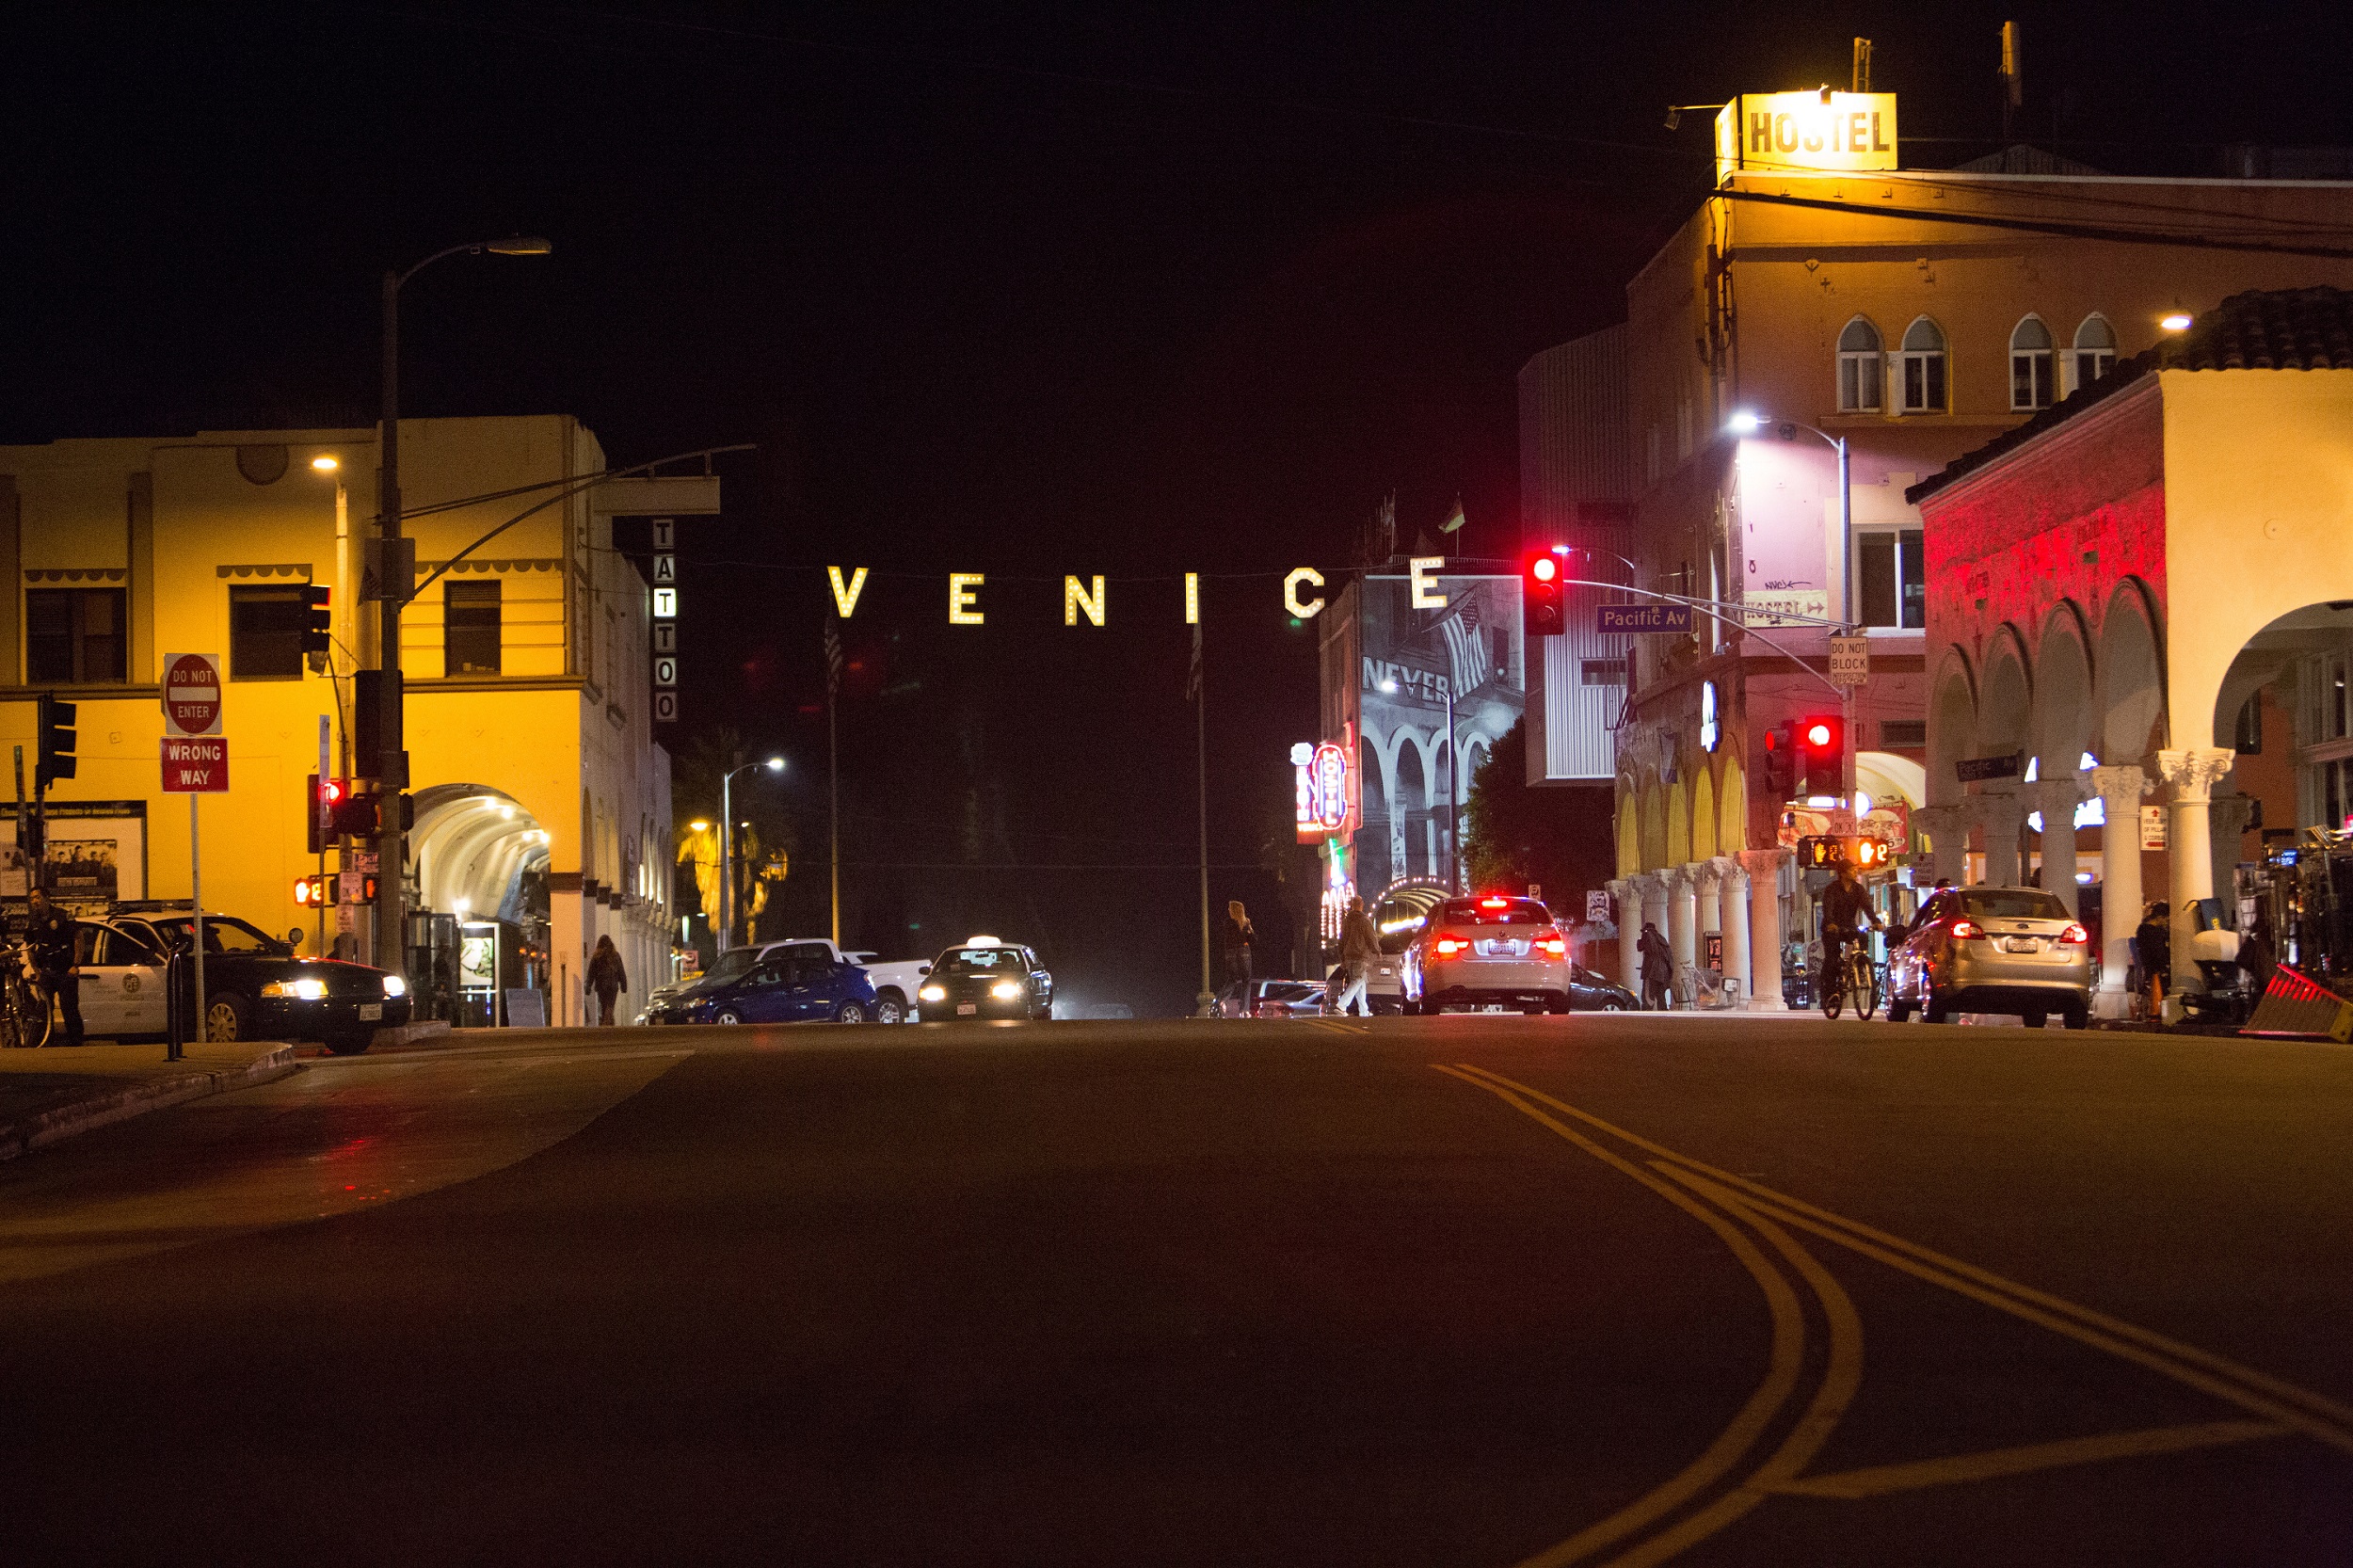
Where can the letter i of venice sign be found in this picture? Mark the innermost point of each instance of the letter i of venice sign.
(1321, 777)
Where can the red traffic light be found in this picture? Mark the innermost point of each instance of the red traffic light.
(1543, 608)
(1542, 568)
(1819, 733)
(331, 791)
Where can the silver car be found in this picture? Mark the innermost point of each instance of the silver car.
(1485, 951)
(1993, 950)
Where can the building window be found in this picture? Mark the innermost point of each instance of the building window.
(75, 637)
(1859, 366)
(2031, 366)
(2094, 354)
(1890, 580)
(469, 628)
(1903, 734)
(1601, 672)
(1920, 368)
(265, 628)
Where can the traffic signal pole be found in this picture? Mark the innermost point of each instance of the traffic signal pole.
(390, 853)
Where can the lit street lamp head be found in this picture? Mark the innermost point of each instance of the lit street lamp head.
(520, 245)
(1745, 421)
(325, 464)
(775, 764)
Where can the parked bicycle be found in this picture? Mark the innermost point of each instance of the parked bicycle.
(25, 1013)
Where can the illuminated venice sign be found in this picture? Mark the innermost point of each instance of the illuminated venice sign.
(1835, 131)
(1085, 600)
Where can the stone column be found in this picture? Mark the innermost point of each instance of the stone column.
(1735, 926)
(2192, 773)
(1628, 892)
(1947, 828)
(2002, 815)
(2057, 799)
(1682, 918)
(2120, 791)
(1764, 869)
(1709, 877)
(2226, 825)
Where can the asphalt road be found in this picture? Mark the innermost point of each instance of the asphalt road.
(1469, 1291)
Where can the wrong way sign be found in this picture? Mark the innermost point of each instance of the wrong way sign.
(191, 694)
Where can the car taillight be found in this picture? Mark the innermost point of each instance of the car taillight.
(1494, 903)
(2074, 935)
(1964, 929)
(1448, 945)
(1553, 947)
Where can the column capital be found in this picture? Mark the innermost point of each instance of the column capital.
(1707, 875)
(1999, 810)
(2120, 789)
(1762, 863)
(2054, 795)
(2192, 770)
(1728, 869)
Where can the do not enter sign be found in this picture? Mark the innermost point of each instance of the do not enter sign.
(191, 694)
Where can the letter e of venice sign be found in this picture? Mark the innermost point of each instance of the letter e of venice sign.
(191, 694)
(1770, 132)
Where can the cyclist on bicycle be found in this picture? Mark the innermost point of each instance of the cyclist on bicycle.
(1845, 905)
(50, 934)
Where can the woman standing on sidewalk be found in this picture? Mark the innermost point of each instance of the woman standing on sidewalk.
(606, 978)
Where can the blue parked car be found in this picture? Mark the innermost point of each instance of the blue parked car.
(788, 988)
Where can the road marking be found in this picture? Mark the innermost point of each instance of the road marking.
(2313, 1414)
(1749, 1422)
(1878, 1480)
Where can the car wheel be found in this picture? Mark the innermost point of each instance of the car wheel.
(1899, 1011)
(225, 1018)
(353, 1043)
(2078, 1015)
(727, 1015)
(889, 1008)
(1613, 1006)
(1557, 1004)
(1935, 1011)
(2035, 1020)
(850, 1013)
(1408, 1007)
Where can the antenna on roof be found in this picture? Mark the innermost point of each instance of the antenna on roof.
(1862, 65)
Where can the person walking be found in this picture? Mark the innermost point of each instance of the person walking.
(1237, 936)
(1658, 967)
(606, 978)
(2154, 945)
(1360, 945)
(50, 934)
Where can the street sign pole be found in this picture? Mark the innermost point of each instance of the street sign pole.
(195, 890)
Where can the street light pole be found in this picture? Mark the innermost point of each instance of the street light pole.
(392, 740)
(726, 846)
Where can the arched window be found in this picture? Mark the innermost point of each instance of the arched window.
(1859, 366)
(1921, 368)
(2030, 364)
(2094, 354)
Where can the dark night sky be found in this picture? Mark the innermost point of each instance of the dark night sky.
(1108, 289)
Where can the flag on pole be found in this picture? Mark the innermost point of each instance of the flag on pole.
(833, 660)
(1192, 677)
(1455, 518)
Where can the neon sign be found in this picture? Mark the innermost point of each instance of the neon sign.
(1321, 786)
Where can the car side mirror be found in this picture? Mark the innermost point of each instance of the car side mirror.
(925, 970)
(293, 938)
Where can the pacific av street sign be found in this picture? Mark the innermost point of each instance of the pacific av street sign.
(1973, 770)
(1642, 618)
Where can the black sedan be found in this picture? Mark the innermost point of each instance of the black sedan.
(1593, 993)
(255, 988)
(985, 980)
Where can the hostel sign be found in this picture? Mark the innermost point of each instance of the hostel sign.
(1837, 132)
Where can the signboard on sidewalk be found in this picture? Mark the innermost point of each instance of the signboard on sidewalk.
(196, 765)
(2152, 828)
(1850, 660)
(1621, 619)
(191, 694)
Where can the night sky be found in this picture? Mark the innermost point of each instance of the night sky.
(1114, 289)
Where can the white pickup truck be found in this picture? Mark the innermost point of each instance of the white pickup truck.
(894, 984)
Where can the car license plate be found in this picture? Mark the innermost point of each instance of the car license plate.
(371, 1011)
(964, 1007)
(2021, 944)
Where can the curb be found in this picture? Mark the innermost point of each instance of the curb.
(54, 1126)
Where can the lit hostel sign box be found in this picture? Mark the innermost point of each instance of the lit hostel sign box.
(1836, 132)
(1326, 801)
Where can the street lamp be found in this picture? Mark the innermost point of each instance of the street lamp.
(726, 846)
(392, 742)
(1454, 806)
(1747, 422)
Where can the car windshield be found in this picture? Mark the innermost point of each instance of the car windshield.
(1494, 911)
(980, 961)
(1289, 990)
(2013, 903)
(222, 934)
(732, 964)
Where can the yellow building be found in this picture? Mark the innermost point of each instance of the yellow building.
(542, 802)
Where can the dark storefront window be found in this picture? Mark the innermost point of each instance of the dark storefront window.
(75, 637)
(1891, 581)
(265, 628)
(469, 629)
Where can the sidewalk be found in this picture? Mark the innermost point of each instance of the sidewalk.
(49, 1095)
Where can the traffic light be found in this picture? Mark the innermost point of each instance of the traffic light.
(354, 814)
(1544, 602)
(1781, 760)
(55, 759)
(1822, 755)
(310, 891)
(322, 797)
(1826, 852)
(317, 625)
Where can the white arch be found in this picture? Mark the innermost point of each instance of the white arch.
(2129, 677)
(471, 845)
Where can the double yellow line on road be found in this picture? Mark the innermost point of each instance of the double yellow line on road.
(1733, 1207)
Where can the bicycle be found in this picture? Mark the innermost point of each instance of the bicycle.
(25, 1013)
(1856, 984)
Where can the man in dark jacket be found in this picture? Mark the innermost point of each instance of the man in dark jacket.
(1846, 909)
(50, 934)
(1659, 967)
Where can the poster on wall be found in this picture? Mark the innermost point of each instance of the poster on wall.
(477, 962)
(96, 855)
(1412, 660)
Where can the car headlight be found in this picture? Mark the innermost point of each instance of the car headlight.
(396, 986)
(932, 993)
(1006, 990)
(296, 990)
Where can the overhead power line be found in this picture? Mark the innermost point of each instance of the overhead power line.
(2045, 226)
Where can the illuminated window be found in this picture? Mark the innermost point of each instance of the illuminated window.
(1859, 367)
(469, 628)
(2031, 366)
(1920, 368)
(2093, 355)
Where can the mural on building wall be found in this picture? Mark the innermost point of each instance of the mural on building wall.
(1411, 660)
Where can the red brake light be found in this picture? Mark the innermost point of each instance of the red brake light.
(1553, 947)
(1448, 945)
(1494, 903)
(1964, 929)
(2074, 933)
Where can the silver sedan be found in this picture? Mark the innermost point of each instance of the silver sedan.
(1993, 949)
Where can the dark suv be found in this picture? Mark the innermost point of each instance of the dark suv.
(255, 987)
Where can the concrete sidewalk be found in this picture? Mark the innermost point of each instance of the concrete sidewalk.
(49, 1095)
